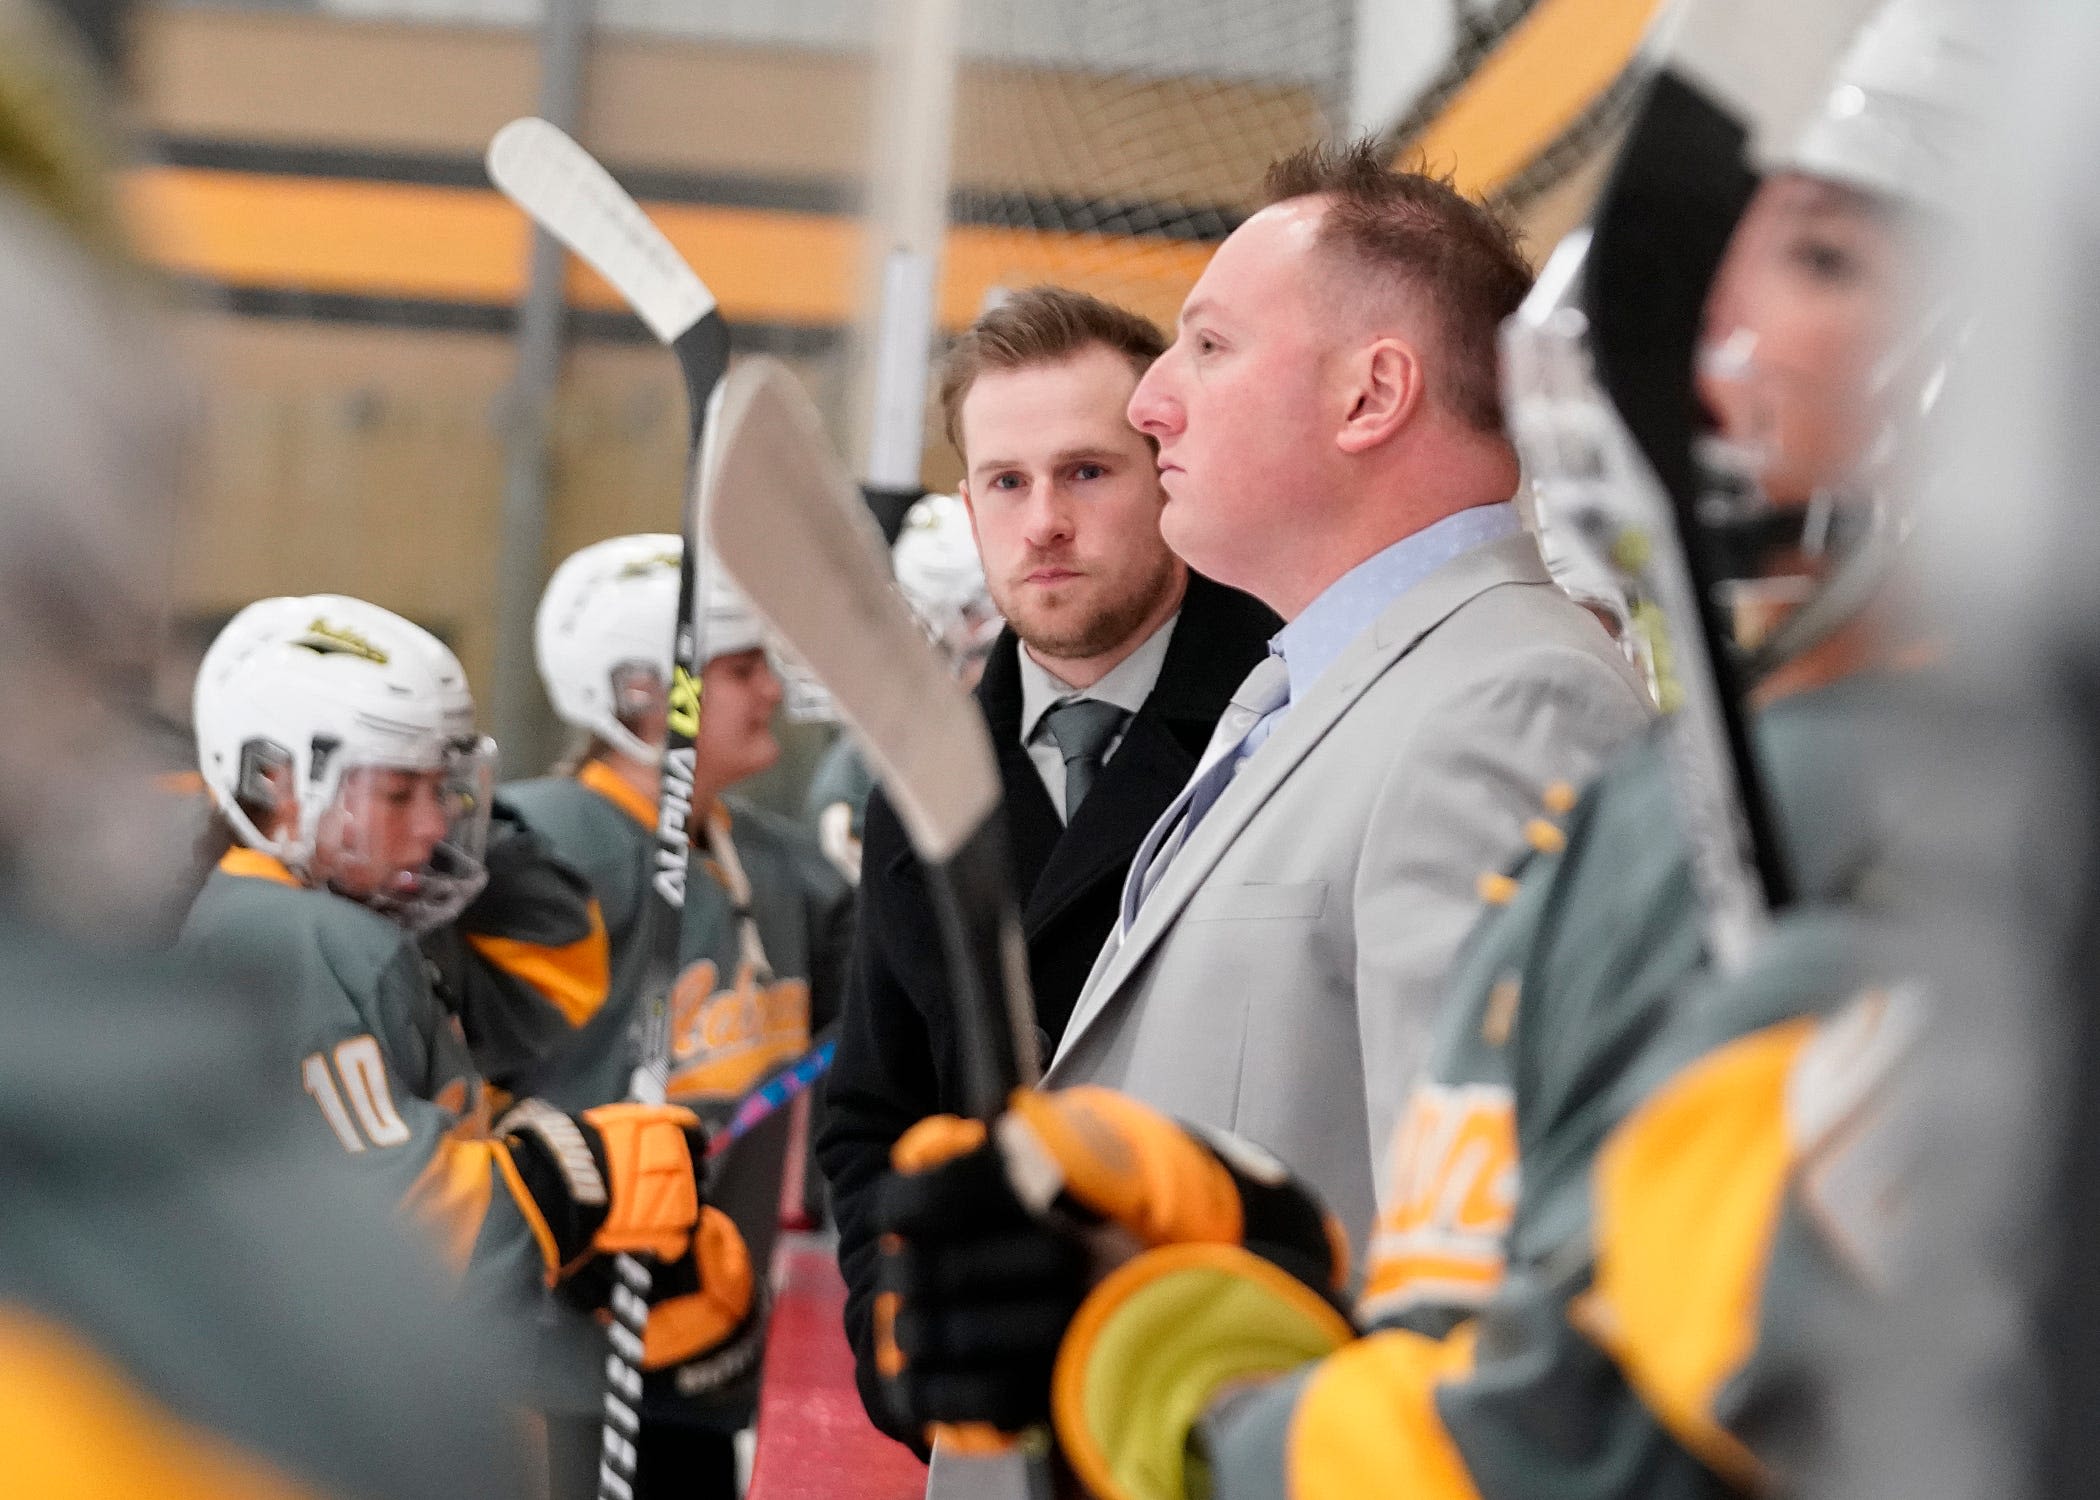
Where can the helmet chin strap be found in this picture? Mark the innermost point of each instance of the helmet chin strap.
(628, 743)
(294, 856)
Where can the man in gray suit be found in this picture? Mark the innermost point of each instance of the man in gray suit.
(1331, 441)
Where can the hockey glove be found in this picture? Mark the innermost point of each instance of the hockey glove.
(706, 1325)
(618, 1179)
(990, 1241)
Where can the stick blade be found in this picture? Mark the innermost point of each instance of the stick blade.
(780, 512)
(566, 192)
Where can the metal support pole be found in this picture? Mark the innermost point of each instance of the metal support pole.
(523, 726)
(907, 218)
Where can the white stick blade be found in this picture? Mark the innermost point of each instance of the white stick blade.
(789, 524)
(568, 194)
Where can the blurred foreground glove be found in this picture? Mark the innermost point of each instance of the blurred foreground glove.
(618, 1179)
(991, 1239)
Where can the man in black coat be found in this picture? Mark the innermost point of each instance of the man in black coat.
(1101, 694)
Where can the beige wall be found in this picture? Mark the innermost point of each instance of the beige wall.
(369, 459)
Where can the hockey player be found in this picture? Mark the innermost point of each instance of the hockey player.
(336, 741)
(526, 965)
(763, 928)
(1599, 1184)
(942, 578)
(767, 919)
(191, 1303)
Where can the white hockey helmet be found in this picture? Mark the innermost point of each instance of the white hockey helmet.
(730, 624)
(604, 629)
(606, 617)
(297, 692)
(1899, 120)
(1905, 106)
(942, 577)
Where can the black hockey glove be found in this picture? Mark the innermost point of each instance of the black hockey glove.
(990, 1243)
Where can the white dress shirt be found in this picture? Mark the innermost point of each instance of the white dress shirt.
(1127, 685)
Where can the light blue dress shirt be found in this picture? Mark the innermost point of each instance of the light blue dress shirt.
(1346, 608)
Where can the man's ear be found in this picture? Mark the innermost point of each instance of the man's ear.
(962, 488)
(1385, 391)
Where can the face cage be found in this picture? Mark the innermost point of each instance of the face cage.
(803, 698)
(638, 690)
(963, 634)
(455, 871)
(1851, 531)
(1585, 475)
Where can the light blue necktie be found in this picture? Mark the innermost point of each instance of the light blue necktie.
(1240, 731)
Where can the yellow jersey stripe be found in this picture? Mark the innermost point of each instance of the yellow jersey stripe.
(256, 865)
(1367, 1422)
(1679, 1312)
(574, 977)
(609, 784)
(450, 1197)
(73, 1427)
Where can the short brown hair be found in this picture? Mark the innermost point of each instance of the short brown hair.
(1043, 325)
(1421, 229)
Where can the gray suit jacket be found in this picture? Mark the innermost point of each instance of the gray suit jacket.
(1281, 977)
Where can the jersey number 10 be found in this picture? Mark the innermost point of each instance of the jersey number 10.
(363, 1074)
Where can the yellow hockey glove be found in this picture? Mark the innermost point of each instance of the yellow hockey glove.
(618, 1179)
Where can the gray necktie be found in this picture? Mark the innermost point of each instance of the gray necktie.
(1083, 728)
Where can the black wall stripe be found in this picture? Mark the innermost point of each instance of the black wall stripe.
(788, 340)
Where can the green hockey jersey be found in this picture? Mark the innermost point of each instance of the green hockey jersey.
(1572, 971)
(384, 1065)
(763, 944)
(527, 966)
(194, 1298)
(1628, 1187)
(762, 950)
(1655, 1334)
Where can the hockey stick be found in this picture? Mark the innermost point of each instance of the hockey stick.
(1726, 87)
(790, 525)
(772, 1096)
(568, 194)
(788, 522)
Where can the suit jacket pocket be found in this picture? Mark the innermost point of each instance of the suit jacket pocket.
(1257, 902)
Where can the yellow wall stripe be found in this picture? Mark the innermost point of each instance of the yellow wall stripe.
(1533, 87)
(463, 245)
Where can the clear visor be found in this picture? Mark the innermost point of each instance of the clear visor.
(409, 842)
(803, 698)
(1600, 512)
(962, 633)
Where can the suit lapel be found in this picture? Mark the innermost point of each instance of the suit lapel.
(1405, 622)
(1032, 824)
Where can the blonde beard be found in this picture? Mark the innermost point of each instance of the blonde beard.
(1102, 631)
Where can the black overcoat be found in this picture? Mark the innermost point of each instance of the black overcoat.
(897, 1060)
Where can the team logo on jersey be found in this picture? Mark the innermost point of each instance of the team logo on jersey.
(1442, 1239)
(642, 567)
(723, 1041)
(324, 639)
